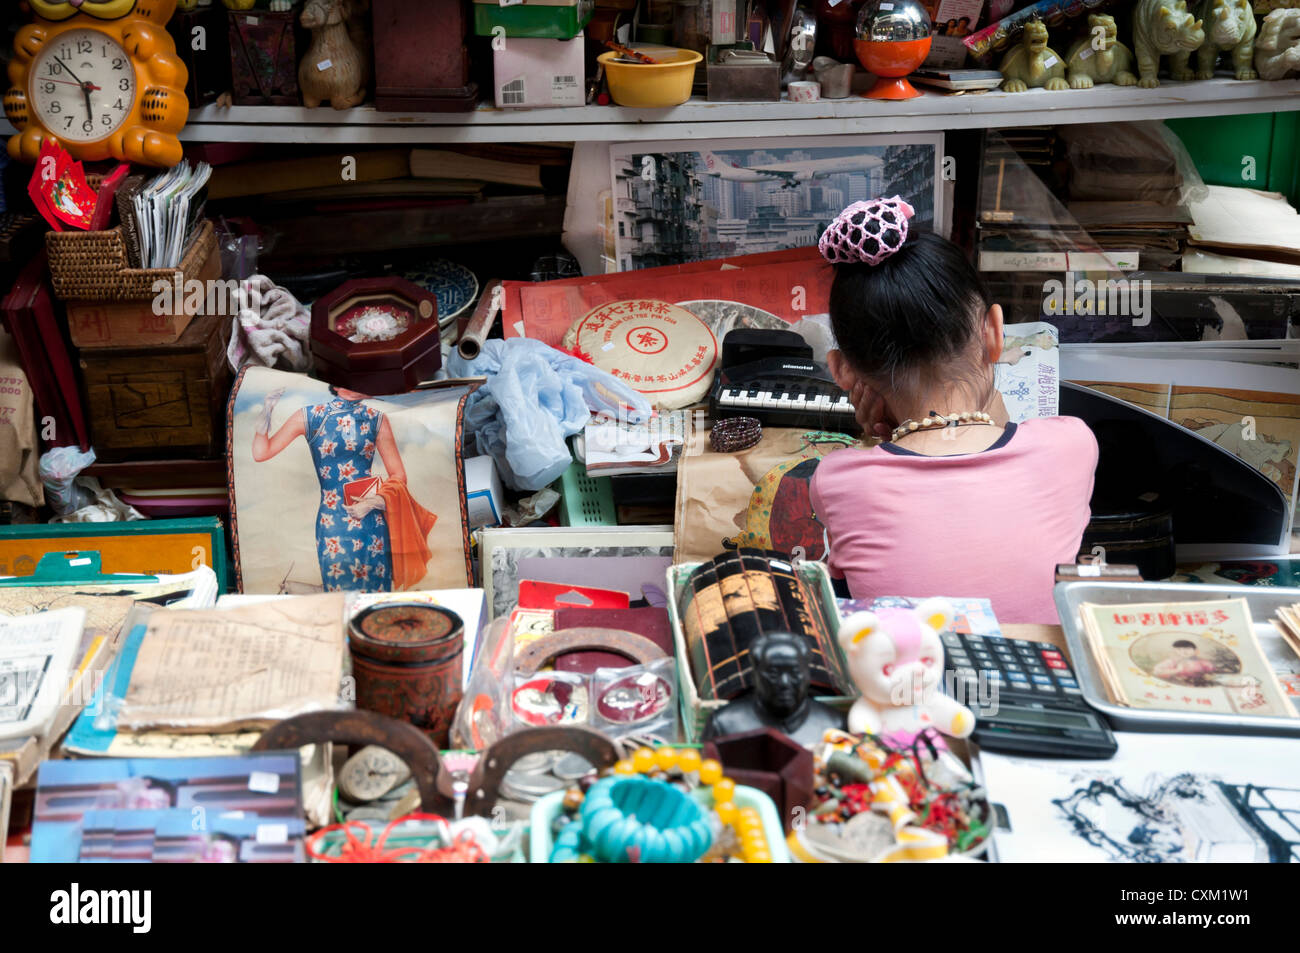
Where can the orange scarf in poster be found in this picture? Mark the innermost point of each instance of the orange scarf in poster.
(409, 524)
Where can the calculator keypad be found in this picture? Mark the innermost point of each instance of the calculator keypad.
(1022, 670)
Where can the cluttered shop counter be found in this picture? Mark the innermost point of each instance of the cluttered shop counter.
(721, 726)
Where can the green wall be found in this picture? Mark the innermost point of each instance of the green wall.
(1220, 145)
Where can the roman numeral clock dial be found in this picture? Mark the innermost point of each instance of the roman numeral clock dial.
(82, 86)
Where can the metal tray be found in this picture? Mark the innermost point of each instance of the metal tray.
(1264, 603)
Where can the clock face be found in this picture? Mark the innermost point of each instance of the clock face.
(82, 86)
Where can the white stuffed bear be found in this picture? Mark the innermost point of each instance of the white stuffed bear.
(895, 658)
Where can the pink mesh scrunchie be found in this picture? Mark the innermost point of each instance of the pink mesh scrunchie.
(867, 232)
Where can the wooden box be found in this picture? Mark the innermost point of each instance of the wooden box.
(376, 336)
(421, 63)
(160, 400)
(263, 58)
(209, 67)
(133, 322)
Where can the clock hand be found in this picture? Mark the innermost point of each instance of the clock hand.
(70, 73)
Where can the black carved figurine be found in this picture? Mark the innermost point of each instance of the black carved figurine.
(780, 696)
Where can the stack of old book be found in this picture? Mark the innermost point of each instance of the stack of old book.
(386, 199)
(1193, 657)
(1127, 190)
(1288, 624)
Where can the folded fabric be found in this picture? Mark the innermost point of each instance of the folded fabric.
(534, 398)
(270, 328)
(409, 525)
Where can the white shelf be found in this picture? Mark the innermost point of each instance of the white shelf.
(697, 119)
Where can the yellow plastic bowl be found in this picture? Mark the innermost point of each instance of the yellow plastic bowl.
(651, 85)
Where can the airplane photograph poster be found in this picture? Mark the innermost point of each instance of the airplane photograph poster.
(691, 200)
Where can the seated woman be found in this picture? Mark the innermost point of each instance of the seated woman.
(956, 501)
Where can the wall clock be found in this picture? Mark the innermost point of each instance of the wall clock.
(102, 78)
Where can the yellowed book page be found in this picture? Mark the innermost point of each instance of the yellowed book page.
(1190, 656)
(1109, 678)
(211, 670)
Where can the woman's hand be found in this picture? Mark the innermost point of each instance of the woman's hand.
(869, 405)
(365, 505)
(268, 408)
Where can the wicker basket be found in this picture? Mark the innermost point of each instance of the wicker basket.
(92, 266)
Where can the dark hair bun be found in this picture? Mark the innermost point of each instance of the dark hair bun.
(921, 305)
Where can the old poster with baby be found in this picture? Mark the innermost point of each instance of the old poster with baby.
(1191, 656)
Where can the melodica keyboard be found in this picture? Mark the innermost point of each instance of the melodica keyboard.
(783, 392)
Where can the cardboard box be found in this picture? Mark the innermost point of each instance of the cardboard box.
(529, 73)
(484, 498)
(548, 19)
(134, 322)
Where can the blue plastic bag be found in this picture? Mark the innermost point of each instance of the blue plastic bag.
(535, 397)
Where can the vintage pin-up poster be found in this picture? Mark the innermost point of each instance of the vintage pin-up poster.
(335, 490)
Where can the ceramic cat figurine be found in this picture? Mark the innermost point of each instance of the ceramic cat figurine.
(1277, 49)
(1230, 26)
(1031, 63)
(1164, 28)
(1098, 57)
(333, 69)
(895, 658)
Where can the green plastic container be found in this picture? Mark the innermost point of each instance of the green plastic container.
(584, 500)
(548, 808)
(540, 19)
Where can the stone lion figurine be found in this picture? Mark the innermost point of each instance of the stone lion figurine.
(1032, 63)
(1099, 57)
(1277, 49)
(1229, 25)
(1164, 28)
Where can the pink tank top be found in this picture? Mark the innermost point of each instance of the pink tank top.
(991, 525)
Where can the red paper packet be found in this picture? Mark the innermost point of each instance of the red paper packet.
(58, 188)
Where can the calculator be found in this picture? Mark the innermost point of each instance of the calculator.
(1025, 698)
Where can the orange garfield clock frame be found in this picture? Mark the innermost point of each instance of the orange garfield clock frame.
(101, 78)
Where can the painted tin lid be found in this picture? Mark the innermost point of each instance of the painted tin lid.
(406, 632)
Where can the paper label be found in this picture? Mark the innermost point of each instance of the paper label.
(511, 3)
(724, 23)
(252, 21)
(481, 509)
(323, 65)
(1050, 62)
(566, 90)
(79, 562)
(1085, 52)
(273, 833)
(886, 6)
(264, 782)
(513, 93)
(1086, 570)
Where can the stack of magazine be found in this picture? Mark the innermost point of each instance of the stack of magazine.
(166, 212)
(1184, 656)
(1288, 624)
